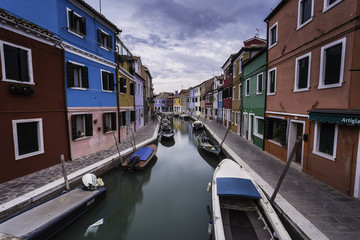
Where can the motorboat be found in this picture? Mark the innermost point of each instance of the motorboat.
(240, 210)
(207, 144)
(140, 158)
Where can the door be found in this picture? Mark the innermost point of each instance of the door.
(244, 127)
(296, 129)
(250, 131)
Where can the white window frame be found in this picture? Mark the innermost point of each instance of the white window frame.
(277, 35)
(68, 23)
(323, 62)
(30, 67)
(247, 81)
(316, 143)
(240, 85)
(327, 6)
(234, 69)
(40, 138)
(105, 47)
(257, 83)
(296, 89)
(256, 126)
(102, 87)
(299, 24)
(268, 82)
(79, 65)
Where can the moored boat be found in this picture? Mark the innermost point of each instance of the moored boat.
(207, 144)
(240, 208)
(140, 158)
(197, 125)
(166, 132)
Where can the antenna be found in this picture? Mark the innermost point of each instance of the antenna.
(257, 32)
(100, 5)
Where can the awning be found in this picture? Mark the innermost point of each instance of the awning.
(338, 116)
(236, 187)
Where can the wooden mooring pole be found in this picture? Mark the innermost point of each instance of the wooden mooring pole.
(286, 168)
(227, 131)
(64, 172)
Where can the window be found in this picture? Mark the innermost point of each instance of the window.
(28, 137)
(234, 69)
(76, 23)
(275, 130)
(109, 122)
(302, 73)
(305, 12)
(77, 75)
(81, 126)
(328, 4)
(247, 93)
(259, 84)
(122, 85)
(104, 40)
(132, 89)
(240, 65)
(107, 81)
(16, 63)
(325, 140)
(233, 92)
(259, 127)
(272, 81)
(240, 91)
(332, 64)
(132, 116)
(273, 35)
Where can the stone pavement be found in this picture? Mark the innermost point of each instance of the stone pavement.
(11, 190)
(332, 212)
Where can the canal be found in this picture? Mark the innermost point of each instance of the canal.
(168, 200)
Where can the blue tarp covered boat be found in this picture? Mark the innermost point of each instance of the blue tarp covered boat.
(140, 158)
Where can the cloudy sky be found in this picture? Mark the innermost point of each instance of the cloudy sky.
(185, 42)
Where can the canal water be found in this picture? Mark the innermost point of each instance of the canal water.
(168, 200)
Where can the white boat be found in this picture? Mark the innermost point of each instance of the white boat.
(197, 125)
(239, 207)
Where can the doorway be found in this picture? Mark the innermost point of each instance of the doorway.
(296, 129)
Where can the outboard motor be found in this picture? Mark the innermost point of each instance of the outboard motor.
(133, 161)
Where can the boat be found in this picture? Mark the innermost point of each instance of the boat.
(197, 125)
(166, 132)
(239, 207)
(46, 219)
(207, 144)
(185, 116)
(140, 158)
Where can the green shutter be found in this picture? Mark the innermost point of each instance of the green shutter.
(88, 125)
(85, 77)
(70, 74)
(73, 127)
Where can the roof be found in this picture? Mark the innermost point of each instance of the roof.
(99, 15)
(277, 8)
(25, 25)
(236, 187)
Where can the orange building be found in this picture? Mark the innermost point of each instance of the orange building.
(312, 89)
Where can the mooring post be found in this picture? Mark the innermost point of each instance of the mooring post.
(120, 157)
(298, 140)
(227, 131)
(64, 172)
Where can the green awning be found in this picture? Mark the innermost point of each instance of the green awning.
(338, 116)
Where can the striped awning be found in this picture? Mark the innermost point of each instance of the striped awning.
(338, 116)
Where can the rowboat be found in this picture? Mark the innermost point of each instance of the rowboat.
(240, 210)
(140, 158)
(166, 132)
(207, 144)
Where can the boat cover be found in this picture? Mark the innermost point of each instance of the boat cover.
(236, 187)
(144, 153)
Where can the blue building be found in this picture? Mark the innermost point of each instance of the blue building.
(88, 40)
(139, 93)
(191, 101)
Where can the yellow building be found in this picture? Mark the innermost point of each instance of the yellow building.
(177, 103)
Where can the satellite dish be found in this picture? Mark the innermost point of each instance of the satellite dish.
(89, 180)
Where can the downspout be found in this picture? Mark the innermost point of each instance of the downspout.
(65, 102)
(118, 99)
(266, 68)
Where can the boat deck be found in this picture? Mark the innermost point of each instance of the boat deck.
(49, 217)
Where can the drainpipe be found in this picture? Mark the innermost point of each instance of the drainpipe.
(117, 99)
(266, 68)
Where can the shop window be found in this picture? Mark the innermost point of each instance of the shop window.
(325, 140)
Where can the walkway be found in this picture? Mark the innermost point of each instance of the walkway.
(335, 214)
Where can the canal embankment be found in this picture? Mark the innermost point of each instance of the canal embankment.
(314, 209)
(30, 190)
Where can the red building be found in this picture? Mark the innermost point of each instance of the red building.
(227, 91)
(32, 110)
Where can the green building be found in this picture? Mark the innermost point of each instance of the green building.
(253, 98)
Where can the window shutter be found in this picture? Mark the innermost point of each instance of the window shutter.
(73, 127)
(85, 77)
(111, 82)
(109, 41)
(88, 125)
(99, 40)
(105, 83)
(70, 74)
(113, 121)
(71, 20)
(104, 122)
(268, 128)
(24, 67)
(11, 63)
(283, 130)
(83, 25)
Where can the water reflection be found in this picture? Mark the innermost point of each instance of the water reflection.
(168, 200)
